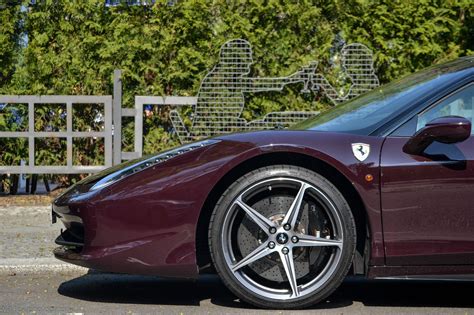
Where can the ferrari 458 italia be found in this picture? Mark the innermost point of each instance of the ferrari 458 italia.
(380, 186)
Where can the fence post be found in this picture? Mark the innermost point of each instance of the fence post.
(117, 117)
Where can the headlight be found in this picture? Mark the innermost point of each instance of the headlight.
(137, 167)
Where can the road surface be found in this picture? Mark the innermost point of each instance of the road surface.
(99, 293)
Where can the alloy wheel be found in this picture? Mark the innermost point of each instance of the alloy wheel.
(282, 238)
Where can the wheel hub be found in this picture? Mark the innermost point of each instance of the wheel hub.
(282, 238)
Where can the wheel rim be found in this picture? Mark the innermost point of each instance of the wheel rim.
(304, 260)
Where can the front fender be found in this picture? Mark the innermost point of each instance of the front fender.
(335, 150)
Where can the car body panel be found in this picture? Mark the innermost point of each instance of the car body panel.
(147, 224)
(428, 204)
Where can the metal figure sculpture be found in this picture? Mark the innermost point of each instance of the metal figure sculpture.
(357, 63)
(221, 95)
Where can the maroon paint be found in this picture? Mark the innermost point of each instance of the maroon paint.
(427, 202)
(449, 129)
(146, 223)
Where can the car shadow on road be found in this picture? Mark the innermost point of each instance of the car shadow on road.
(132, 289)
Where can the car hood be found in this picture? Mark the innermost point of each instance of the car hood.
(316, 140)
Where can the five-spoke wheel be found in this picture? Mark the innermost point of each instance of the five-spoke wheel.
(282, 235)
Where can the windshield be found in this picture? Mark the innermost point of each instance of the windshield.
(366, 113)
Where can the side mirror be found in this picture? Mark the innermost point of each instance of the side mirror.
(448, 129)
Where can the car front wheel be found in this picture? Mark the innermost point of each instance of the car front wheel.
(282, 237)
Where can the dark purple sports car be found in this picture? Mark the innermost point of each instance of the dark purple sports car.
(380, 186)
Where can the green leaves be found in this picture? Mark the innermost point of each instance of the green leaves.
(408, 35)
(10, 17)
(74, 46)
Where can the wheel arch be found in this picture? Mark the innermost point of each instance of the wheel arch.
(360, 264)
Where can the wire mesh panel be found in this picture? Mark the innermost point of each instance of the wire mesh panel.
(221, 97)
(357, 63)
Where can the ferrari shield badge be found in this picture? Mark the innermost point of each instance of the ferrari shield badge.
(361, 151)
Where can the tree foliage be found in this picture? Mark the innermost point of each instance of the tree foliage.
(166, 49)
(410, 35)
(10, 40)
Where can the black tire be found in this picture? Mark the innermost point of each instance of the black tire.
(217, 241)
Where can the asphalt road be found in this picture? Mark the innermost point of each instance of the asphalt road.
(97, 293)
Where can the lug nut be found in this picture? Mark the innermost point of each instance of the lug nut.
(294, 239)
(287, 227)
(285, 250)
(273, 230)
(271, 245)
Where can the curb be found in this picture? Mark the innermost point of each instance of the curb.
(31, 266)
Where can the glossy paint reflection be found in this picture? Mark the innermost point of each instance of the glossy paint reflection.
(427, 203)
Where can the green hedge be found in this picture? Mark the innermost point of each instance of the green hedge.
(74, 46)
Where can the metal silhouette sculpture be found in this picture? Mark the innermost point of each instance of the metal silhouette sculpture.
(357, 63)
(221, 98)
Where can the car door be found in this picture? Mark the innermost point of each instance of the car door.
(428, 199)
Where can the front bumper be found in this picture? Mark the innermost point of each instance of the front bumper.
(113, 232)
(71, 256)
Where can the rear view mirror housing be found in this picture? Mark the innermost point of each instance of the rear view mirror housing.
(448, 129)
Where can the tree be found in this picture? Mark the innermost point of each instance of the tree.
(10, 40)
(409, 35)
(167, 48)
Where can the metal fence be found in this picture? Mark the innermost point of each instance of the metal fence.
(141, 101)
(111, 132)
(69, 134)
